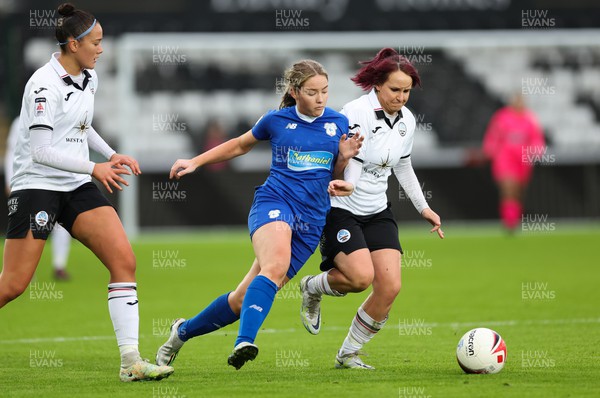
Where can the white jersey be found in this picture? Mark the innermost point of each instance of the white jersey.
(52, 101)
(386, 143)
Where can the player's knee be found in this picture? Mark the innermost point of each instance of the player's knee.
(360, 281)
(275, 271)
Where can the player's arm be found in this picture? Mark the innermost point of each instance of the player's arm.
(408, 181)
(228, 150)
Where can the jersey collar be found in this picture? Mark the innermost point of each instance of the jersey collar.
(308, 119)
(62, 73)
(379, 112)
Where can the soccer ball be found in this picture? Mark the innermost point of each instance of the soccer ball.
(481, 350)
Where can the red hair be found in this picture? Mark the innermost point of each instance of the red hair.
(376, 71)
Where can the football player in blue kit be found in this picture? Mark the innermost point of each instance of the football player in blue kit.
(309, 147)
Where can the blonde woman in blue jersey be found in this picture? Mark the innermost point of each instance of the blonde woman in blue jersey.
(52, 183)
(360, 245)
(309, 146)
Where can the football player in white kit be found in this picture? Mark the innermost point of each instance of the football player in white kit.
(52, 183)
(61, 240)
(360, 245)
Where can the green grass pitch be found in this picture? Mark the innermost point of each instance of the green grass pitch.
(540, 291)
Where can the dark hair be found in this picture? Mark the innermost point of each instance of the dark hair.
(72, 23)
(377, 70)
(296, 76)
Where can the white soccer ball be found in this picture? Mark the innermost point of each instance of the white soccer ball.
(481, 350)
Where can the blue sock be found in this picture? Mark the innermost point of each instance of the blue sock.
(257, 304)
(217, 315)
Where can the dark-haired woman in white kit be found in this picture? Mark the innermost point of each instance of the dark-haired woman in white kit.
(52, 183)
(360, 245)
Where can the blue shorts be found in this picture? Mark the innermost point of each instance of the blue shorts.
(269, 207)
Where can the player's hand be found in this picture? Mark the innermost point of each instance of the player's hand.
(182, 167)
(349, 148)
(124, 160)
(340, 188)
(434, 220)
(109, 174)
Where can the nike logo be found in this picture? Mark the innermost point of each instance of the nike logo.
(133, 302)
(40, 90)
(376, 128)
(316, 325)
(68, 95)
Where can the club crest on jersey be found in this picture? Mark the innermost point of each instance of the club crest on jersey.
(402, 129)
(343, 235)
(330, 129)
(83, 126)
(41, 218)
(40, 106)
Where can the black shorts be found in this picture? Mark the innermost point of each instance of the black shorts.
(39, 209)
(346, 232)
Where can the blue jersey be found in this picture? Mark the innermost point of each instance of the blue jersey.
(303, 157)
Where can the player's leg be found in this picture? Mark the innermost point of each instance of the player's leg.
(510, 202)
(343, 246)
(31, 216)
(21, 257)
(372, 315)
(100, 230)
(222, 311)
(272, 246)
(381, 235)
(61, 246)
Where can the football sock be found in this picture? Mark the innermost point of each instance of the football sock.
(319, 285)
(361, 331)
(510, 212)
(123, 310)
(61, 244)
(255, 307)
(216, 315)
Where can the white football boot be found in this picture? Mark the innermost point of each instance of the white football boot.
(167, 353)
(310, 312)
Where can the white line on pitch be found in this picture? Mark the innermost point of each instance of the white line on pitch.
(452, 325)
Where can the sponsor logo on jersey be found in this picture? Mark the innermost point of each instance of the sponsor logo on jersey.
(40, 90)
(40, 106)
(74, 140)
(291, 126)
(41, 218)
(402, 129)
(343, 235)
(301, 161)
(274, 213)
(68, 95)
(375, 130)
(13, 206)
(330, 129)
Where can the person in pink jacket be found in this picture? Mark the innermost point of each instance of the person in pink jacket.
(512, 142)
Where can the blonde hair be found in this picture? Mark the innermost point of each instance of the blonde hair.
(295, 77)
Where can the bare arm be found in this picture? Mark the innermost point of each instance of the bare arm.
(228, 150)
